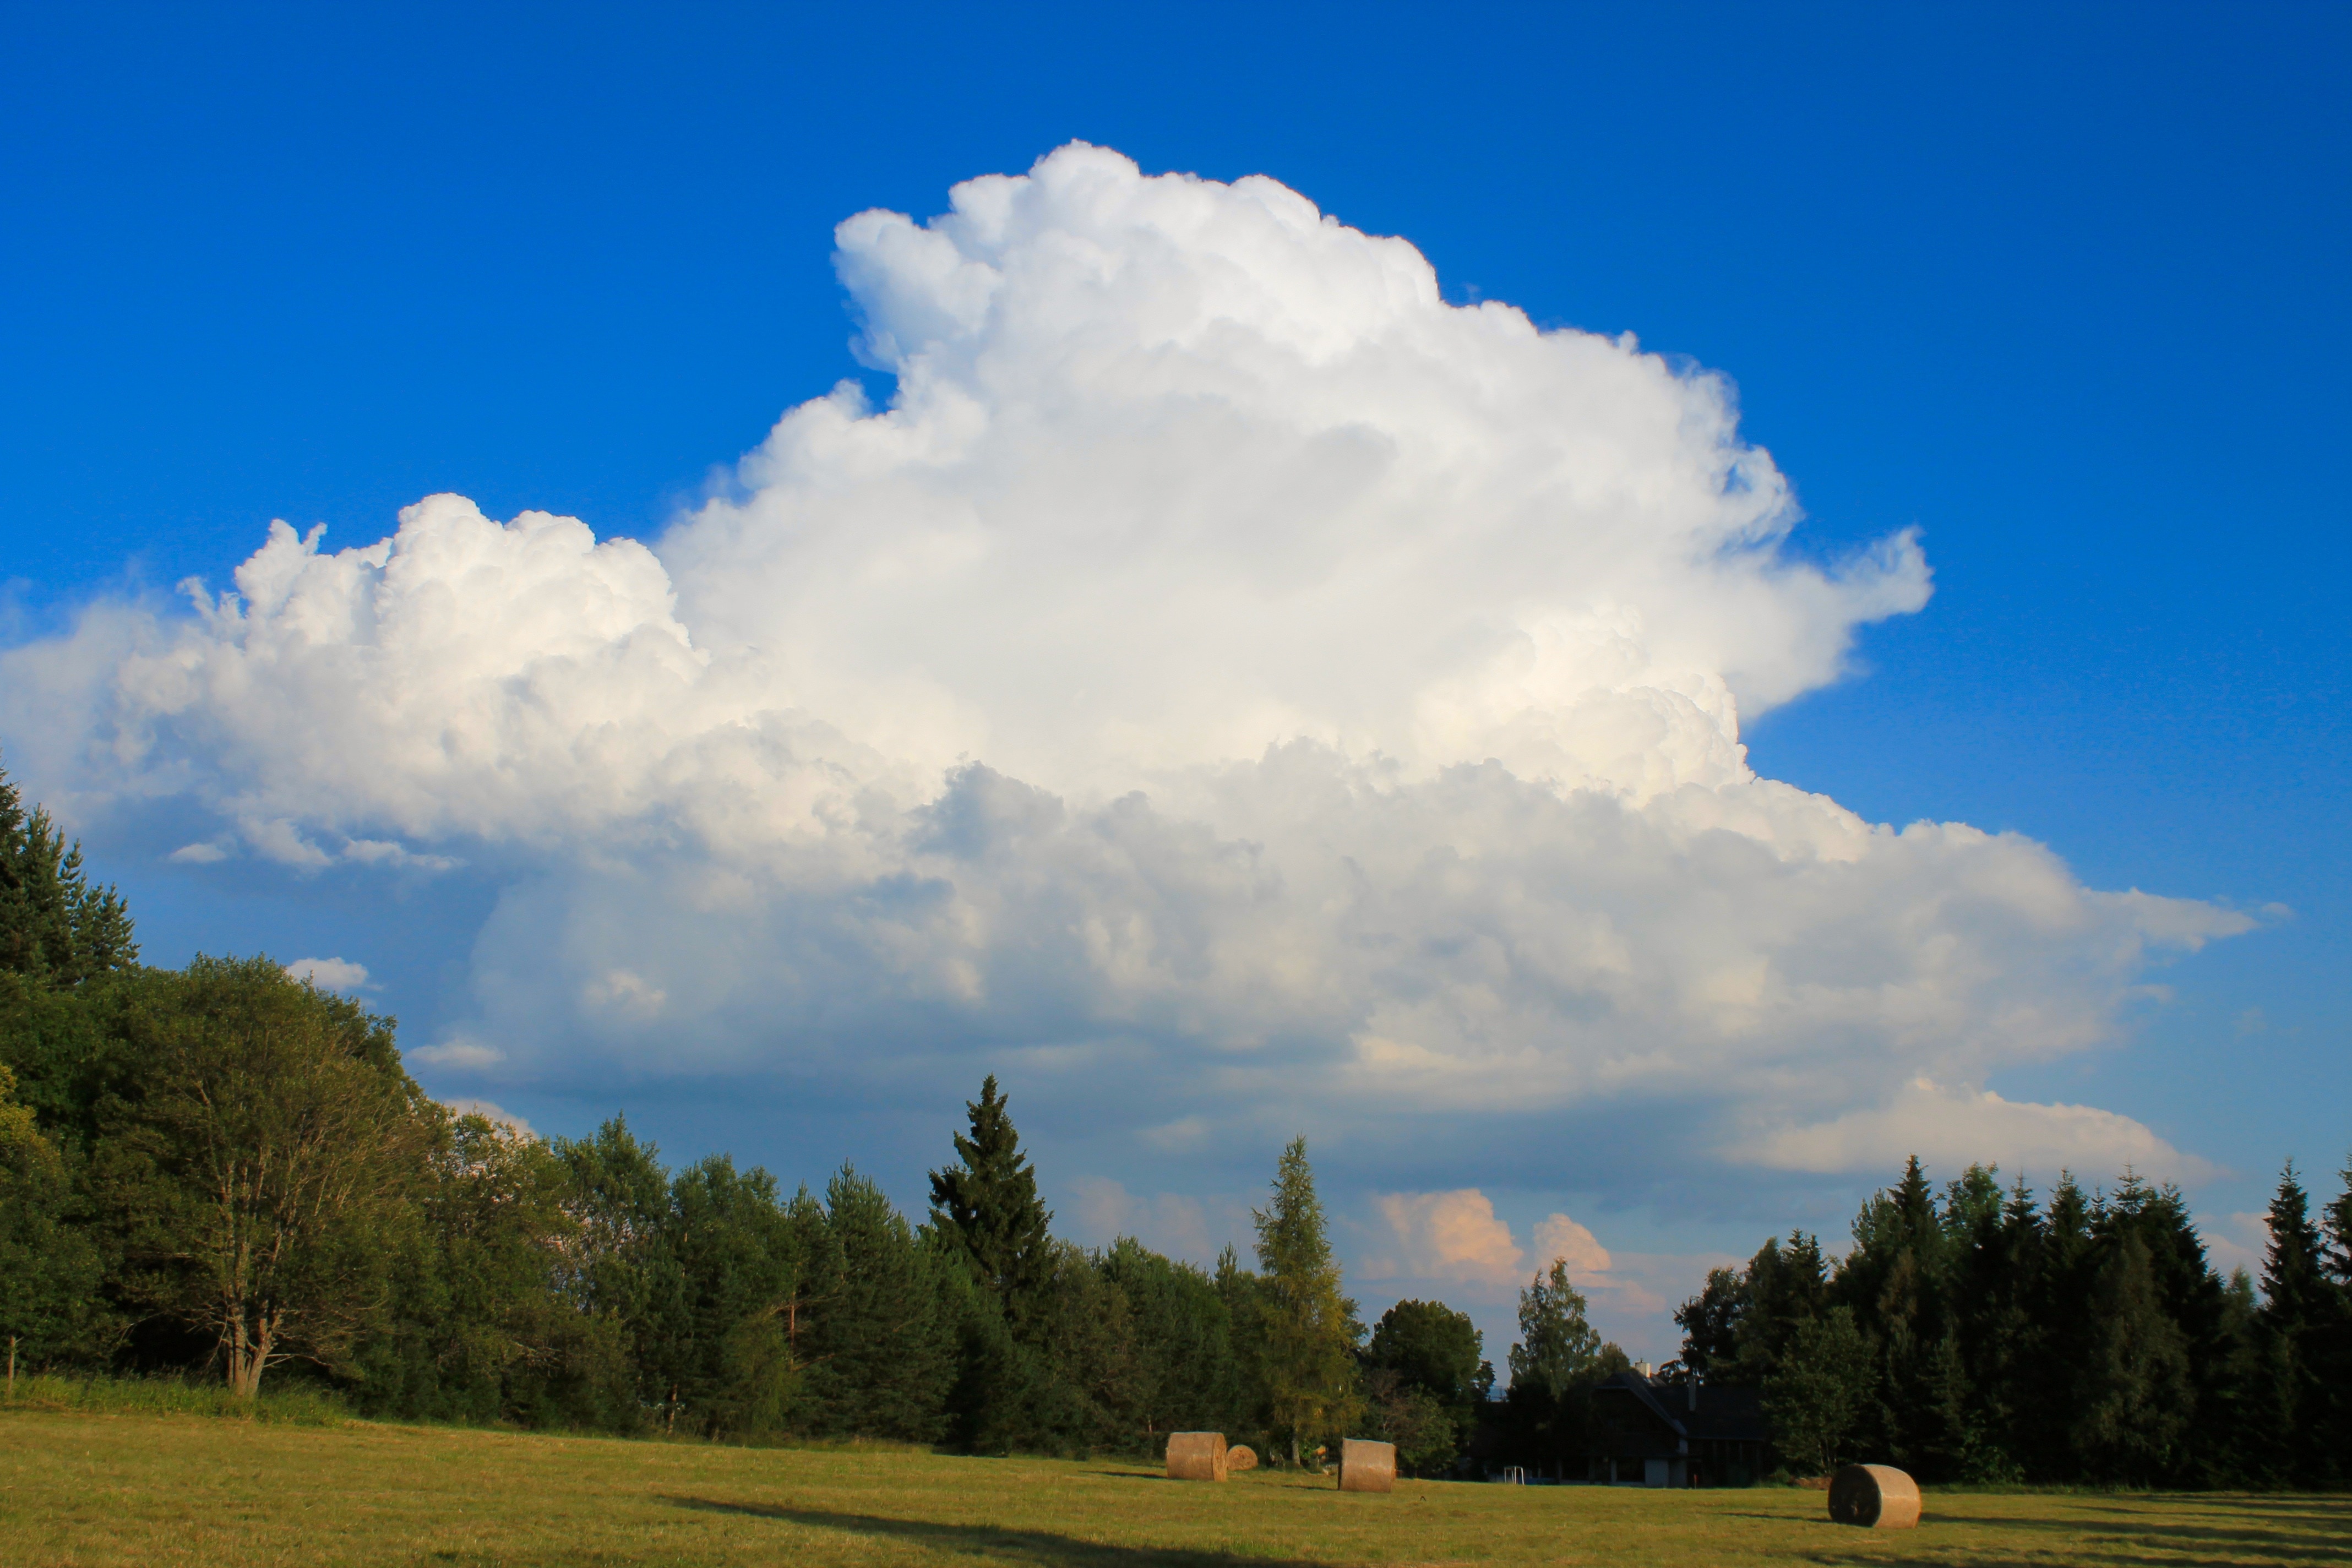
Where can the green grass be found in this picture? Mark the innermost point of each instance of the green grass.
(172, 1396)
(84, 1488)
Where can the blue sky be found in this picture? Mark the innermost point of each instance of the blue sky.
(2064, 293)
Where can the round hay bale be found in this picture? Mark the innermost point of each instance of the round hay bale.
(1366, 1465)
(1875, 1497)
(1196, 1456)
(1239, 1458)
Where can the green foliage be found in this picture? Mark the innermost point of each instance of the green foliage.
(987, 1206)
(1557, 1349)
(1186, 1375)
(876, 1347)
(1308, 1330)
(1817, 1398)
(49, 1269)
(265, 1171)
(1427, 1378)
(54, 927)
(2086, 1342)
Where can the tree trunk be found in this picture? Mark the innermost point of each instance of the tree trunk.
(248, 1356)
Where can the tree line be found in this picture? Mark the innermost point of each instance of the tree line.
(1982, 1335)
(222, 1171)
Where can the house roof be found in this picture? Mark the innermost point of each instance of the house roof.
(1721, 1413)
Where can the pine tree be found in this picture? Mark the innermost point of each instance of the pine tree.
(2298, 1308)
(1310, 1331)
(874, 1339)
(989, 1209)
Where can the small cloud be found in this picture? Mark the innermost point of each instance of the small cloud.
(496, 1115)
(330, 974)
(1185, 1133)
(2252, 1022)
(624, 992)
(460, 1053)
(278, 839)
(202, 853)
(384, 852)
(1450, 1235)
(1559, 1237)
(2240, 1241)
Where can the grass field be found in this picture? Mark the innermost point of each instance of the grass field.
(83, 1489)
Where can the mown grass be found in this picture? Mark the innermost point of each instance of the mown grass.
(84, 1488)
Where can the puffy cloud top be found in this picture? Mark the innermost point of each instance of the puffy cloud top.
(1226, 671)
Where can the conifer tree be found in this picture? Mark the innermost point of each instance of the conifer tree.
(987, 1207)
(1310, 1331)
(2138, 1397)
(54, 928)
(2297, 1307)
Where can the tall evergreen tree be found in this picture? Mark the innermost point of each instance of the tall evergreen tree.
(2137, 1397)
(1309, 1328)
(2298, 1305)
(987, 1207)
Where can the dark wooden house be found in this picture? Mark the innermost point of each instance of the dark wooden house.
(1685, 1434)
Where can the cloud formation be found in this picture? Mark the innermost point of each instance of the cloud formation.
(330, 973)
(1226, 675)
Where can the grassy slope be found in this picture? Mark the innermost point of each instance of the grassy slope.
(86, 1488)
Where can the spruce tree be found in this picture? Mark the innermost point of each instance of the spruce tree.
(2138, 1396)
(987, 1207)
(1310, 1329)
(2298, 1308)
(54, 928)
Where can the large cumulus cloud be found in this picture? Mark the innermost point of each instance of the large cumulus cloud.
(1226, 676)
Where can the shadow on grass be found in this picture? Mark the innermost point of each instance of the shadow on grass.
(2254, 1528)
(2207, 1532)
(1031, 1546)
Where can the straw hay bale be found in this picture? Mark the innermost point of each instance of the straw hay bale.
(1239, 1458)
(1366, 1465)
(1876, 1497)
(1196, 1456)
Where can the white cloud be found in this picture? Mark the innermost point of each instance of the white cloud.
(1449, 1237)
(330, 973)
(2239, 1241)
(625, 992)
(459, 1052)
(1562, 1239)
(1251, 686)
(1952, 1128)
